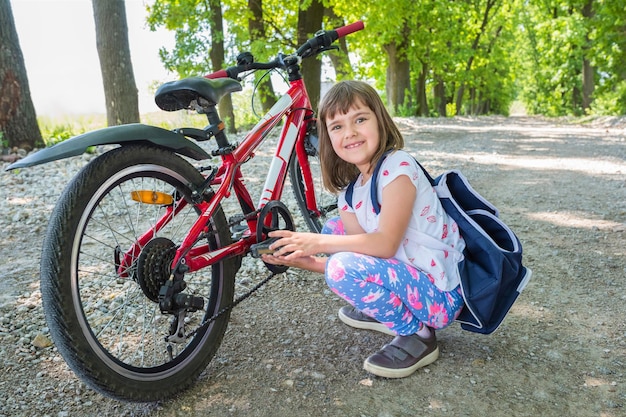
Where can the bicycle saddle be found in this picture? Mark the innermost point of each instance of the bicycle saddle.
(178, 95)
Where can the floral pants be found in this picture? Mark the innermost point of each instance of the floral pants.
(393, 292)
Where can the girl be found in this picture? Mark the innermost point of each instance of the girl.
(394, 282)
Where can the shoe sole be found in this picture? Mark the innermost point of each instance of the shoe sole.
(376, 326)
(403, 372)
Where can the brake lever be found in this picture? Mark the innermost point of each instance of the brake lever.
(328, 48)
(318, 50)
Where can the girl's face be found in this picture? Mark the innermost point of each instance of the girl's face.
(354, 135)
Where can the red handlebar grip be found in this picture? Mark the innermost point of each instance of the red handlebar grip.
(351, 28)
(219, 74)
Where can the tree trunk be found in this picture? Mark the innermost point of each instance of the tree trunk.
(225, 106)
(588, 70)
(18, 121)
(309, 22)
(256, 30)
(422, 100)
(439, 93)
(340, 59)
(120, 90)
(398, 76)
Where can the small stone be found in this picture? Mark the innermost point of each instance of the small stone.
(245, 281)
(41, 341)
(318, 375)
(366, 382)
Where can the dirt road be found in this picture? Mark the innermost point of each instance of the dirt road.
(560, 352)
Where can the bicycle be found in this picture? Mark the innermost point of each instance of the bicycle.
(124, 282)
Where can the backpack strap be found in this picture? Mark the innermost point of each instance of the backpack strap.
(430, 179)
(350, 188)
(374, 183)
(349, 192)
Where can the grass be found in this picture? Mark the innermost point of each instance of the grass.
(60, 128)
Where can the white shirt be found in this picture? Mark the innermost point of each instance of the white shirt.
(432, 242)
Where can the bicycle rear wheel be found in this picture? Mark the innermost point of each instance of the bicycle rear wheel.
(325, 201)
(107, 324)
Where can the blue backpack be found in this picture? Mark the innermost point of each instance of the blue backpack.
(492, 274)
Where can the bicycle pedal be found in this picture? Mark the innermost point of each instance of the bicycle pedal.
(238, 230)
(262, 248)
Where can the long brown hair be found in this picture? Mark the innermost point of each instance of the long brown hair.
(336, 172)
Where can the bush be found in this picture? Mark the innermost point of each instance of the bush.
(610, 103)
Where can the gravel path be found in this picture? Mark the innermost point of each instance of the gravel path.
(561, 350)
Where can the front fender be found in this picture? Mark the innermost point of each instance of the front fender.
(121, 134)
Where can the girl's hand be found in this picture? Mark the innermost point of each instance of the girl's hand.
(292, 245)
(296, 250)
(306, 262)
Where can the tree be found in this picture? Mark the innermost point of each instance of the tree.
(398, 80)
(490, 4)
(384, 46)
(18, 121)
(588, 72)
(196, 24)
(608, 55)
(558, 79)
(256, 31)
(310, 16)
(120, 90)
(340, 60)
(217, 60)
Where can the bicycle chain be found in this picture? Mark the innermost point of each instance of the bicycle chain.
(229, 307)
(232, 305)
(207, 322)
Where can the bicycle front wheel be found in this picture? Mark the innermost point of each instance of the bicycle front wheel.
(100, 291)
(326, 203)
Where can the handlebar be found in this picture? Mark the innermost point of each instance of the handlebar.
(348, 29)
(319, 43)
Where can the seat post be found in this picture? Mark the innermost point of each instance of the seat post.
(217, 127)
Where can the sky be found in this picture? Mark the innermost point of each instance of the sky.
(58, 41)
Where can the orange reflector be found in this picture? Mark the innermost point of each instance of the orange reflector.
(152, 197)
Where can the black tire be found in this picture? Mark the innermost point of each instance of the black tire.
(326, 202)
(107, 328)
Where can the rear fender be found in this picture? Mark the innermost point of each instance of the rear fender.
(122, 134)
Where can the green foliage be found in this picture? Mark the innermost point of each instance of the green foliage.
(58, 133)
(530, 50)
(55, 130)
(554, 40)
(446, 38)
(611, 102)
(189, 20)
(405, 110)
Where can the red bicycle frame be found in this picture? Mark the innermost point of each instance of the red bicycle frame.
(295, 108)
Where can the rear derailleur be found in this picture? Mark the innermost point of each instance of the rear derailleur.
(173, 301)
